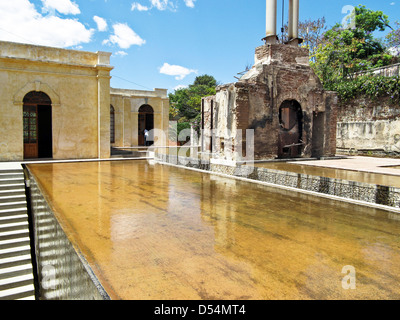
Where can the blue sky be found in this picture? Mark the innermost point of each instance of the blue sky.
(161, 43)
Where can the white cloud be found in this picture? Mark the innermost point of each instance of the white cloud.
(121, 53)
(190, 3)
(181, 86)
(101, 23)
(21, 22)
(173, 70)
(62, 6)
(161, 5)
(139, 7)
(124, 37)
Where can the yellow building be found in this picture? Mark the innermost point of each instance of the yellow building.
(133, 111)
(56, 104)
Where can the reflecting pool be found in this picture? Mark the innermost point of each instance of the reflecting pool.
(161, 232)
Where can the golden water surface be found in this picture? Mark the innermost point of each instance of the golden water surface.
(160, 232)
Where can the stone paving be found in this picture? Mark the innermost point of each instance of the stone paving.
(358, 163)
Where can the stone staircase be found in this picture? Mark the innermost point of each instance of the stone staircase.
(16, 271)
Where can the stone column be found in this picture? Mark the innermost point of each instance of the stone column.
(127, 123)
(271, 36)
(103, 89)
(158, 120)
(293, 27)
(135, 128)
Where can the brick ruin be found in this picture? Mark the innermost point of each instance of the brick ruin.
(281, 99)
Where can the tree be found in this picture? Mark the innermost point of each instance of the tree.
(186, 102)
(343, 52)
(311, 31)
(393, 38)
(205, 80)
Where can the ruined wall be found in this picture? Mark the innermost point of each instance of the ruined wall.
(207, 124)
(369, 127)
(281, 74)
(331, 115)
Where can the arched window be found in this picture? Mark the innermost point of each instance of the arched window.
(112, 124)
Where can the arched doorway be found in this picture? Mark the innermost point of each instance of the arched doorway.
(37, 121)
(291, 129)
(145, 122)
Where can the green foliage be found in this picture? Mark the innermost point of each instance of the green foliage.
(182, 125)
(370, 86)
(346, 51)
(205, 80)
(370, 21)
(186, 102)
(174, 131)
(393, 38)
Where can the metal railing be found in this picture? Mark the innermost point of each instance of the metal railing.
(387, 71)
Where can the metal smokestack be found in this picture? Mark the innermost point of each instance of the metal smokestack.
(294, 13)
(271, 36)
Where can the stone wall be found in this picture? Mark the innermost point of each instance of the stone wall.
(368, 126)
(63, 273)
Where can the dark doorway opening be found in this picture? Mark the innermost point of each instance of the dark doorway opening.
(145, 123)
(290, 142)
(318, 135)
(37, 121)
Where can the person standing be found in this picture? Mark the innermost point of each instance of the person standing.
(146, 136)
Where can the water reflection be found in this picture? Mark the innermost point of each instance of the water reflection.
(159, 232)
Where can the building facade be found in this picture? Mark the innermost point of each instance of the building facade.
(56, 104)
(134, 111)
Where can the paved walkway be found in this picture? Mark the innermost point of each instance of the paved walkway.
(356, 163)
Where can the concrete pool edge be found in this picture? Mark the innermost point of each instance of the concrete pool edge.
(246, 174)
(57, 270)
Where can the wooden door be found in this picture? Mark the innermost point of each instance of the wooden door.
(31, 149)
